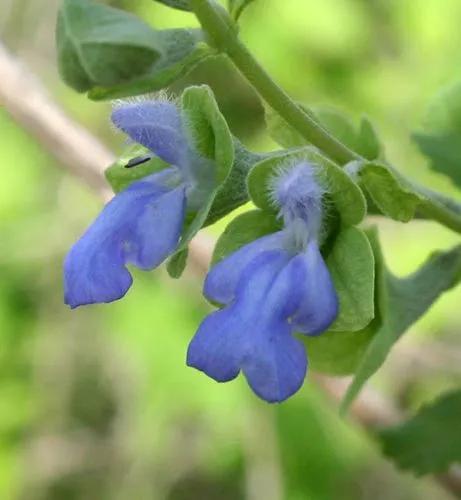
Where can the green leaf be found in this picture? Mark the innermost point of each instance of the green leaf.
(401, 302)
(120, 177)
(352, 268)
(430, 441)
(337, 124)
(100, 45)
(391, 194)
(182, 50)
(208, 128)
(244, 229)
(236, 7)
(444, 152)
(441, 139)
(368, 144)
(177, 4)
(344, 193)
(281, 132)
(362, 139)
(340, 352)
(176, 264)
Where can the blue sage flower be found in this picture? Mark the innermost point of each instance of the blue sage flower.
(142, 224)
(274, 287)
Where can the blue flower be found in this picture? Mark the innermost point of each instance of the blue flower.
(274, 287)
(142, 224)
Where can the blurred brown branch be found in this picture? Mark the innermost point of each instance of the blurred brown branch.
(79, 152)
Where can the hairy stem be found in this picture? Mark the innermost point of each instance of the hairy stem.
(222, 34)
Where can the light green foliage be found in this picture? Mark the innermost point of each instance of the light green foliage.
(430, 441)
(351, 264)
(441, 139)
(363, 140)
(401, 302)
(344, 193)
(100, 45)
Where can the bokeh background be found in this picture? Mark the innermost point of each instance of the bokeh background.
(97, 403)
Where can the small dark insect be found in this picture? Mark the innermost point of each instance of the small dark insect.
(138, 161)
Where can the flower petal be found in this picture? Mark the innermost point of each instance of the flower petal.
(156, 232)
(253, 334)
(221, 281)
(141, 225)
(154, 124)
(276, 367)
(319, 305)
(216, 348)
(223, 337)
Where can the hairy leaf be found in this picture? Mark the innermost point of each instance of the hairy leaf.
(344, 193)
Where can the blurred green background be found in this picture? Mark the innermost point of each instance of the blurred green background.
(97, 403)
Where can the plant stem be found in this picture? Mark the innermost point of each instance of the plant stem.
(222, 34)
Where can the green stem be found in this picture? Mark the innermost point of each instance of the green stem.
(440, 208)
(222, 34)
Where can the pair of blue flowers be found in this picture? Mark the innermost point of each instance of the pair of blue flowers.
(270, 289)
